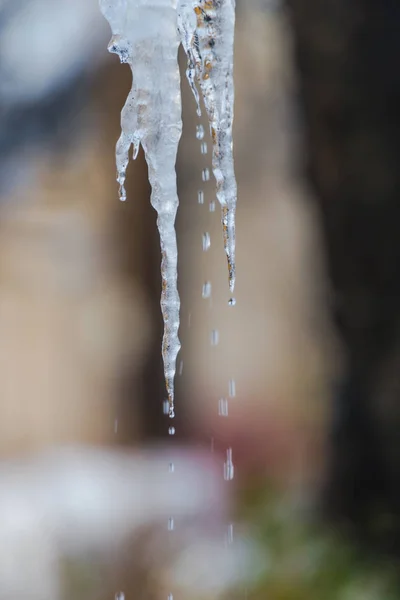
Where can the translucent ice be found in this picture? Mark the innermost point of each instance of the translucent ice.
(146, 35)
(207, 30)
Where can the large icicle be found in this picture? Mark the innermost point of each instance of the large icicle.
(145, 36)
(207, 31)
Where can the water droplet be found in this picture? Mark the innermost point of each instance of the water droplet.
(199, 132)
(171, 431)
(206, 293)
(171, 412)
(116, 426)
(229, 469)
(204, 148)
(212, 206)
(232, 301)
(171, 467)
(171, 524)
(230, 533)
(223, 407)
(206, 241)
(205, 174)
(190, 320)
(170, 597)
(166, 407)
(120, 596)
(232, 388)
(200, 197)
(180, 367)
(214, 337)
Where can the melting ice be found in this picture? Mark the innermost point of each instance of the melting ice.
(146, 35)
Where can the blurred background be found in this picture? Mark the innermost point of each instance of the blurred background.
(307, 358)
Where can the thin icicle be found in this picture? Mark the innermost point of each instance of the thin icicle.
(145, 36)
(207, 30)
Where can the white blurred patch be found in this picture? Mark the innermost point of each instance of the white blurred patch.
(80, 501)
(45, 43)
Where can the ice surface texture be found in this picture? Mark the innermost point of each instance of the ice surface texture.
(146, 34)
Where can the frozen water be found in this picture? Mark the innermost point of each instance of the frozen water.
(146, 35)
(207, 30)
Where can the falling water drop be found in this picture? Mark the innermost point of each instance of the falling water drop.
(165, 407)
(170, 597)
(206, 241)
(212, 206)
(232, 302)
(205, 174)
(223, 407)
(199, 132)
(206, 293)
(200, 197)
(171, 431)
(232, 388)
(229, 469)
(204, 148)
(116, 426)
(180, 367)
(214, 337)
(171, 467)
(230, 533)
(120, 596)
(171, 524)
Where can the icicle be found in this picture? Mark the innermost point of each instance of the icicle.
(145, 36)
(207, 30)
